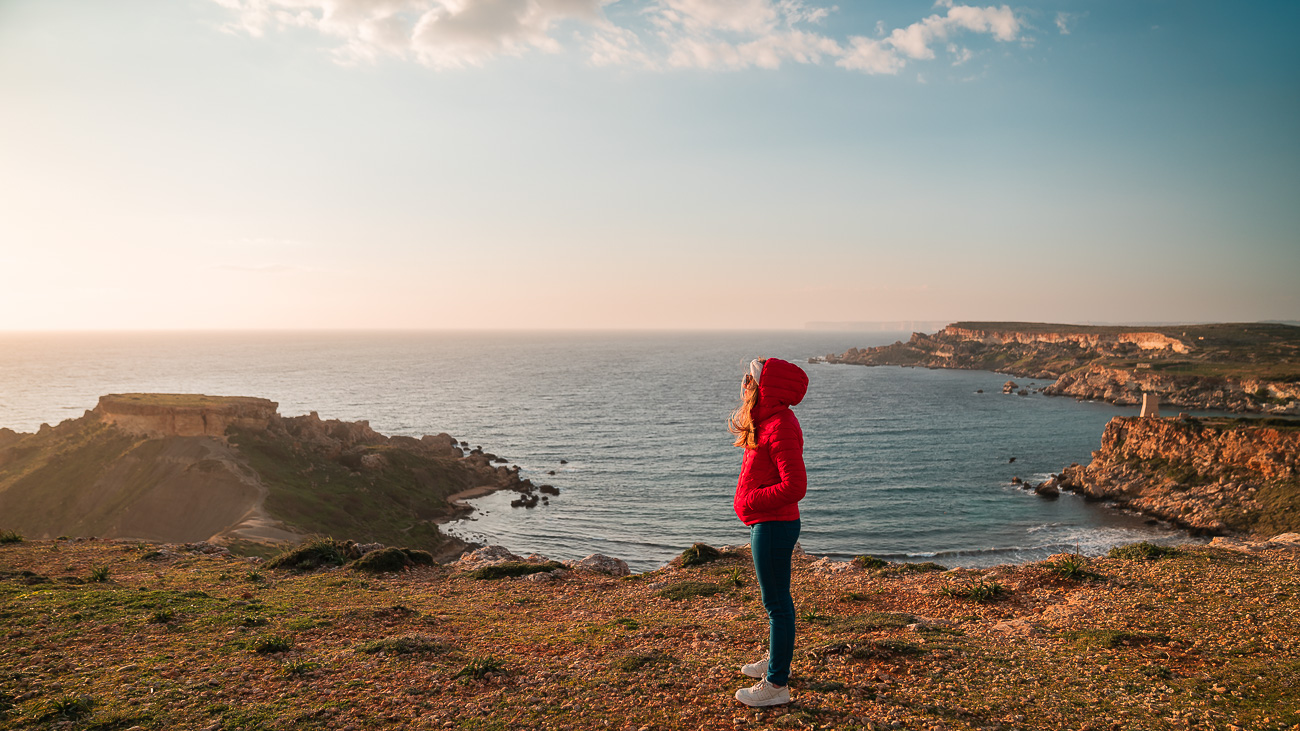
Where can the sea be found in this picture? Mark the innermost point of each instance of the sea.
(906, 464)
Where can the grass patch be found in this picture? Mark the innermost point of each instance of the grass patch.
(412, 644)
(299, 668)
(161, 616)
(813, 616)
(271, 644)
(633, 663)
(868, 621)
(1143, 551)
(99, 574)
(512, 568)
(1112, 638)
(10, 536)
(884, 649)
(387, 560)
(68, 708)
(687, 589)
(699, 554)
(1070, 566)
(479, 667)
(979, 591)
(734, 577)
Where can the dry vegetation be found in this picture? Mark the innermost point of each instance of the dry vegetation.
(101, 635)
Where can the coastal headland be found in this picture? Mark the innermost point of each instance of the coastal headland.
(232, 470)
(1234, 477)
(1246, 367)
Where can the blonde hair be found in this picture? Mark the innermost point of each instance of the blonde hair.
(741, 422)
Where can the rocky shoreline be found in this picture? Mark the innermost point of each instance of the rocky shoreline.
(1248, 368)
(1228, 477)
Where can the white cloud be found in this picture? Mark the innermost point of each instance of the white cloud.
(871, 56)
(700, 34)
(1064, 20)
(915, 40)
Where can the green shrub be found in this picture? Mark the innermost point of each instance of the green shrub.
(699, 554)
(312, 555)
(10, 536)
(688, 589)
(69, 707)
(812, 616)
(99, 574)
(1143, 551)
(161, 616)
(1070, 566)
(869, 562)
(272, 644)
(254, 577)
(513, 568)
(478, 667)
(735, 577)
(977, 591)
(920, 568)
(387, 560)
(412, 644)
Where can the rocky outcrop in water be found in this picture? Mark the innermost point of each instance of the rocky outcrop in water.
(1219, 476)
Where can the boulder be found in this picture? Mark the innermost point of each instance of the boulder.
(601, 564)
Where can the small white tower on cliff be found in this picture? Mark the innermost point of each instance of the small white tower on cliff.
(1151, 404)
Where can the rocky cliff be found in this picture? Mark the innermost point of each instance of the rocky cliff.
(177, 467)
(1218, 476)
(1240, 368)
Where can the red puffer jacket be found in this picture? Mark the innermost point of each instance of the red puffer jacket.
(772, 478)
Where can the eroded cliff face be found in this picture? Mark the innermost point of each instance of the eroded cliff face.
(1091, 341)
(184, 415)
(1213, 476)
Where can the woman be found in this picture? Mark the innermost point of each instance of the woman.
(772, 482)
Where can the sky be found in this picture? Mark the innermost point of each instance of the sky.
(632, 164)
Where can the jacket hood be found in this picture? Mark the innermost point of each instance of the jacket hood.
(782, 385)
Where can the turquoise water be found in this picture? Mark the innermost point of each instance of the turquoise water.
(902, 463)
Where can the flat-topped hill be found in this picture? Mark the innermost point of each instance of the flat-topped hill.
(183, 414)
(191, 467)
(1233, 366)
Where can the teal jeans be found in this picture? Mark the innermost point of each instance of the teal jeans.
(772, 544)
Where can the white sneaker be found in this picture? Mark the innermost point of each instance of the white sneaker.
(755, 669)
(764, 694)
